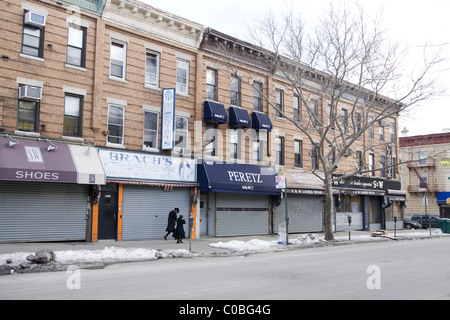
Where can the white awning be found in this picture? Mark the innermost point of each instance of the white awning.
(88, 164)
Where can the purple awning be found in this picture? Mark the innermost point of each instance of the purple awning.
(32, 161)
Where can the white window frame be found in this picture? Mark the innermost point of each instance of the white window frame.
(181, 65)
(112, 144)
(124, 60)
(144, 147)
(148, 83)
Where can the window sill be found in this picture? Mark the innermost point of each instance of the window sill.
(27, 134)
(75, 67)
(115, 145)
(117, 79)
(22, 55)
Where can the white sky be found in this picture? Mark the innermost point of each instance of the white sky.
(413, 22)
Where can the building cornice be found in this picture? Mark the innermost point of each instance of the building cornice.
(155, 22)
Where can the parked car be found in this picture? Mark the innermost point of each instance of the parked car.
(409, 224)
(426, 219)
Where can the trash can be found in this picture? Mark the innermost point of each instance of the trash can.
(445, 225)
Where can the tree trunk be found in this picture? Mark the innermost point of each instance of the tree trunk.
(329, 209)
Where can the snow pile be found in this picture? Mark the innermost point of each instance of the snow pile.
(257, 245)
(107, 255)
(245, 246)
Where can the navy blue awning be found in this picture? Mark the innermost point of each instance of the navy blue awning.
(442, 197)
(237, 178)
(215, 112)
(239, 118)
(261, 121)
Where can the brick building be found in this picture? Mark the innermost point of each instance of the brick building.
(426, 172)
(131, 98)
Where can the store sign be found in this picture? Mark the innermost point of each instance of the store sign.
(168, 120)
(366, 183)
(445, 162)
(141, 166)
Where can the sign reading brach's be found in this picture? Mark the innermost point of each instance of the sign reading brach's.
(142, 166)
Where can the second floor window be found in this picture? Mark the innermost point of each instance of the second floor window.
(181, 132)
(116, 121)
(118, 60)
(372, 164)
(314, 158)
(297, 110)
(279, 151)
(151, 130)
(76, 46)
(72, 115)
(28, 118)
(211, 84)
(298, 149)
(382, 166)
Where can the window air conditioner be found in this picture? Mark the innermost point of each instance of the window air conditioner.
(35, 19)
(30, 93)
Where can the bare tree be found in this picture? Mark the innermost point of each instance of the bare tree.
(347, 57)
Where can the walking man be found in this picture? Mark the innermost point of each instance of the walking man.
(171, 222)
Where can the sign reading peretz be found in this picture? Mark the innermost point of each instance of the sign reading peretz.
(141, 166)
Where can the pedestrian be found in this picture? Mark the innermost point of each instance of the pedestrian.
(171, 222)
(179, 233)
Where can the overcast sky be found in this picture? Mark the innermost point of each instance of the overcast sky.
(414, 22)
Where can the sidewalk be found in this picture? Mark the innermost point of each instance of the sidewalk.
(97, 255)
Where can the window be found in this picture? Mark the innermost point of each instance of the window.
(279, 151)
(372, 164)
(151, 130)
(331, 117)
(181, 132)
(118, 60)
(345, 119)
(298, 149)
(381, 133)
(423, 181)
(28, 117)
(392, 132)
(235, 91)
(297, 110)
(331, 156)
(211, 140)
(358, 121)
(257, 96)
(73, 105)
(235, 152)
(371, 129)
(152, 69)
(279, 103)
(258, 145)
(211, 84)
(359, 159)
(76, 46)
(422, 156)
(314, 105)
(116, 124)
(182, 76)
(314, 158)
(382, 166)
(33, 39)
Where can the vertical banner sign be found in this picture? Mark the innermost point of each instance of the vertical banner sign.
(168, 120)
(389, 162)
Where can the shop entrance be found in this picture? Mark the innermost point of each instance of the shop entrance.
(107, 213)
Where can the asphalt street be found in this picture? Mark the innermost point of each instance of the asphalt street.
(416, 269)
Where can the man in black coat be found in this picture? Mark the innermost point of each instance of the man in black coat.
(171, 222)
(179, 233)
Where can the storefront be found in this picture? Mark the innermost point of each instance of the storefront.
(47, 190)
(443, 200)
(305, 202)
(142, 189)
(371, 202)
(236, 199)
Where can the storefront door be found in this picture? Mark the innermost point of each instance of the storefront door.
(107, 215)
